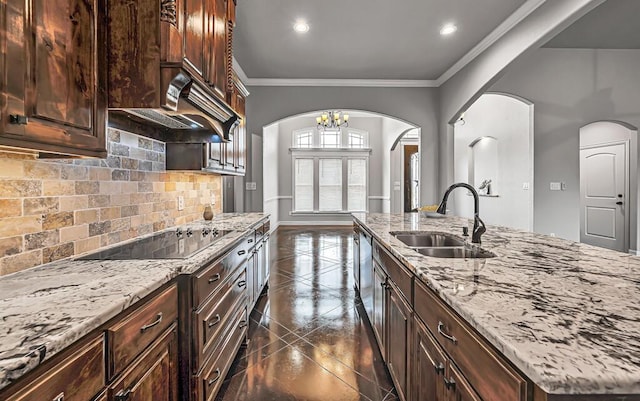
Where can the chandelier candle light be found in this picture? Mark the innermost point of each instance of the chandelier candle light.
(332, 120)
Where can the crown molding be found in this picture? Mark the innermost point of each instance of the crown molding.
(514, 19)
(376, 83)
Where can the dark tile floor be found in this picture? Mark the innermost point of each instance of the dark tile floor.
(308, 340)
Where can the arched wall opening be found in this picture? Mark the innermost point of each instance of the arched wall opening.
(493, 151)
(284, 166)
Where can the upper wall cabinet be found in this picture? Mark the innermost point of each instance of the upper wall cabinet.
(151, 42)
(53, 76)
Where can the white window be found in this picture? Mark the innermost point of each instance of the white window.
(330, 139)
(357, 185)
(303, 191)
(330, 170)
(303, 139)
(330, 185)
(357, 140)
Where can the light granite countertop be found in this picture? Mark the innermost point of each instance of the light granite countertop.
(566, 314)
(45, 309)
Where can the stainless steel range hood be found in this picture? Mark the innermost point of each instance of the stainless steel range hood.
(188, 111)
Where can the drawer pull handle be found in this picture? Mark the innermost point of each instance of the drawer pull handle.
(211, 381)
(242, 252)
(439, 368)
(445, 335)
(123, 395)
(214, 278)
(153, 324)
(243, 324)
(242, 283)
(214, 321)
(59, 397)
(450, 384)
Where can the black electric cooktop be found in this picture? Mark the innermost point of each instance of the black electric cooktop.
(178, 244)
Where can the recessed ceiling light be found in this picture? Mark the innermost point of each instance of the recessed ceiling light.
(448, 29)
(301, 27)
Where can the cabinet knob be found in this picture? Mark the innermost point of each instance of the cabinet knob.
(17, 119)
(123, 395)
(450, 384)
(439, 368)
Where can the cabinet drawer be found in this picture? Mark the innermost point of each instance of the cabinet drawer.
(210, 278)
(472, 354)
(210, 379)
(215, 314)
(77, 378)
(129, 337)
(398, 274)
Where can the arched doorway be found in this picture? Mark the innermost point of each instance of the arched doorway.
(309, 179)
(493, 151)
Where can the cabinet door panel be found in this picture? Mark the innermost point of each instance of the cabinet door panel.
(379, 306)
(55, 76)
(398, 344)
(153, 376)
(219, 48)
(194, 35)
(430, 367)
(64, 61)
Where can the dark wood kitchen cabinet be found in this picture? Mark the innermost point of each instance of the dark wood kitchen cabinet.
(77, 375)
(379, 316)
(53, 80)
(154, 375)
(398, 347)
(208, 41)
(430, 366)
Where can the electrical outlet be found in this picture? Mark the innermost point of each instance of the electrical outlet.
(552, 234)
(213, 199)
(180, 202)
(525, 186)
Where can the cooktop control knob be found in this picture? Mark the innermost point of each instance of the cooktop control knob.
(206, 231)
(189, 232)
(179, 233)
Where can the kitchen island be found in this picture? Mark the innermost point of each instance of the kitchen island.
(564, 314)
(46, 309)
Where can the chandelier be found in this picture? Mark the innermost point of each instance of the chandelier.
(332, 120)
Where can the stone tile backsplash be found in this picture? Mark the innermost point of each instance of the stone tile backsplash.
(54, 209)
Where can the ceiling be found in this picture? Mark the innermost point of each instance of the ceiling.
(361, 39)
(612, 25)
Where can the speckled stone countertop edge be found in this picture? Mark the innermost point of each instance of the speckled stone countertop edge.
(44, 308)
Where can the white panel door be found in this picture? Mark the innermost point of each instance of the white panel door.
(603, 197)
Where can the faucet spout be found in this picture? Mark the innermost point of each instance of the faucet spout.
(478, 225)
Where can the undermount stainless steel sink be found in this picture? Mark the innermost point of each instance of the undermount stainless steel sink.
(425, 239)
(441, 245)
(462, 252)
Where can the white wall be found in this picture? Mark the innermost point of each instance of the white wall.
(461, 90)
(509, 121)
(271, 181)
(392, 165)
(571, 88)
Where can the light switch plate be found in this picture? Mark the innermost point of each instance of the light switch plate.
(180, 202)
(251, 186)
(525, 186)
(555, 186)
